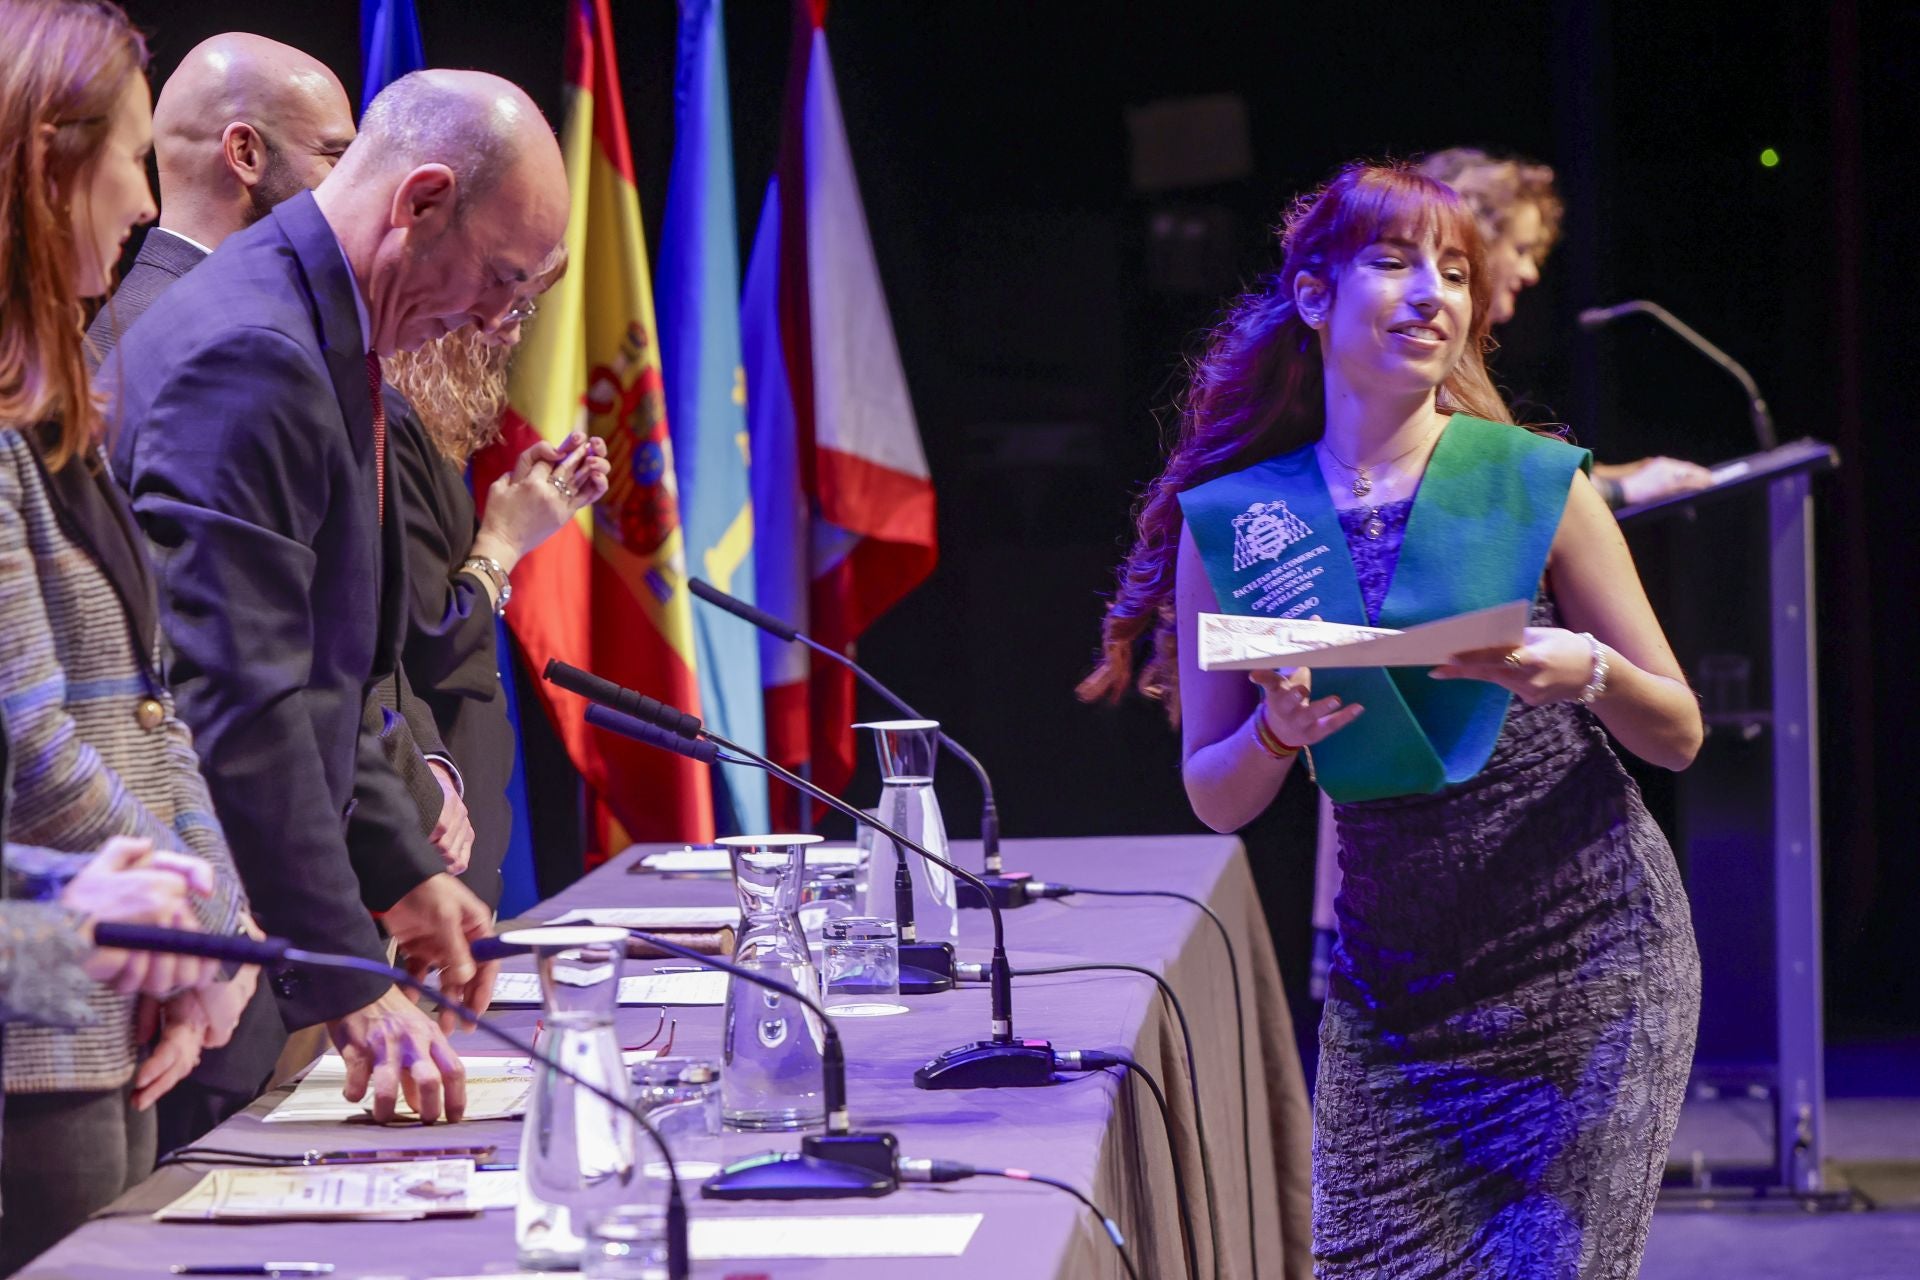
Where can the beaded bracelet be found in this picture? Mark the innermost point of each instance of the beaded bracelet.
(1269, 741)
(1597, 681)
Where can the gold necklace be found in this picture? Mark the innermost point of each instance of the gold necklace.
(1363, 480)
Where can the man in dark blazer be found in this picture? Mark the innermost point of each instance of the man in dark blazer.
(243, 124)
(252, 441)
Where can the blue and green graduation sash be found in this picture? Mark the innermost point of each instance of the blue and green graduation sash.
(1478, 535)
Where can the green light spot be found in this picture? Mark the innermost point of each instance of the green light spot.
(1769, 159)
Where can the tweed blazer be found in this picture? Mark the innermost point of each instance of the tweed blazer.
(95, 746)
(41, 947)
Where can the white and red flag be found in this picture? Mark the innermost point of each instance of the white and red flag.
(842, 498)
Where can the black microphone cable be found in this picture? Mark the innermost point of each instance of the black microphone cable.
(1102, 1060)
(1239, 1024)
(920, 1170)
(1193, 1078)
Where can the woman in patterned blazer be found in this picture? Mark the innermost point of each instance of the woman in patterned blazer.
(96, 748)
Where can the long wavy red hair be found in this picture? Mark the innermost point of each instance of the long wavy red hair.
(1257, 392)
(63, 63)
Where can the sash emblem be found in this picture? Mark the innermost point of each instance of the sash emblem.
(1263, 532)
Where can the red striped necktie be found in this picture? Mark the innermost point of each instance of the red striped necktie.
(379, 432)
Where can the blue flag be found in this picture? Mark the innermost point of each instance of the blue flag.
(697, 291)
(389, 45)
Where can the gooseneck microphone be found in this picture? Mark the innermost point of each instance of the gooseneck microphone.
(278, 952)
(925, 968)
(999, 1062)
(989, 811)
(1597, 317)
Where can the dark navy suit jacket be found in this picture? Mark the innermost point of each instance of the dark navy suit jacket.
(245, 437)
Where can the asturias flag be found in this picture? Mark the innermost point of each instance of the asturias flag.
(840, 483)
(707, 396)
(608, 592)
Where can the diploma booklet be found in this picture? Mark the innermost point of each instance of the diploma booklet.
(1236, 642)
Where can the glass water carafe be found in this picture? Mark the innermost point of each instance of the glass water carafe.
(908, 750)
(771, 1052)
(579, 1153)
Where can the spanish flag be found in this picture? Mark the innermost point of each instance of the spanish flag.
(609, 592)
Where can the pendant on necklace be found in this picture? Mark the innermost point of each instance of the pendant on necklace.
(1362, 484)
(1374, 526)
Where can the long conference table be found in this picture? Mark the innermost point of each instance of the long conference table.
(1102, 1133)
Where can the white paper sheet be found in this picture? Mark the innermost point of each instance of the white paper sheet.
(724, 1239)
(654, 917)
(685, 860)
(396, 1192)
(1236, 643)
(497, 1089)
(680, 989)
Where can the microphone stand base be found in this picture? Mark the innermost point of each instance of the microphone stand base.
(1009, 891)
(831, 1166)
(926, 967)
(990, 1064)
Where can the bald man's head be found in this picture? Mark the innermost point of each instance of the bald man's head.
(243, 124)
(450, 204)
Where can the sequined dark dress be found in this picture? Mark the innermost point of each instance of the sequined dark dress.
(1512, 1009)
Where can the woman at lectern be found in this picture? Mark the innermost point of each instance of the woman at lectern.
(1518, 212)
(1515, 990)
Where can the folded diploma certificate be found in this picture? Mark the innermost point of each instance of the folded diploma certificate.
(1230, 642)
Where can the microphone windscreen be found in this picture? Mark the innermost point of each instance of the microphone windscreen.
(741, 609)
(604, 717)
(233, 948)
(608, 694)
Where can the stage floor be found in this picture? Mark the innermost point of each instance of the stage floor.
(1869, 1127)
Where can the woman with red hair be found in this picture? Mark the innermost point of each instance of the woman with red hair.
(1515, 989)
(95, 746)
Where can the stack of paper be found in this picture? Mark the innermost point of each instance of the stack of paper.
(707, 987)
(653, 919)
(716, 861)
(497, 1089)
(395, 1192)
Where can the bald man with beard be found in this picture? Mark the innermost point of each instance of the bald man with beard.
(243, 124)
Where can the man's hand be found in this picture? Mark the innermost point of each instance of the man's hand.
(452, 835)
(398, 1050)
(222, 1003)
(433, 925)
(184, 1026)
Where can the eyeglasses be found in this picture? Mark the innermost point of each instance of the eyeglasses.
(521, 313)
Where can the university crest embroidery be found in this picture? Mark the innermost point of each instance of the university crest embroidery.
(1263, 531)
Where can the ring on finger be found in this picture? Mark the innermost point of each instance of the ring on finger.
(557, 482)
(1513, 659)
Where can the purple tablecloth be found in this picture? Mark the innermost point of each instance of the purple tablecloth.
(1101, 1134)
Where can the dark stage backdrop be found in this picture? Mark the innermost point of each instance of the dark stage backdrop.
(1052, 252)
